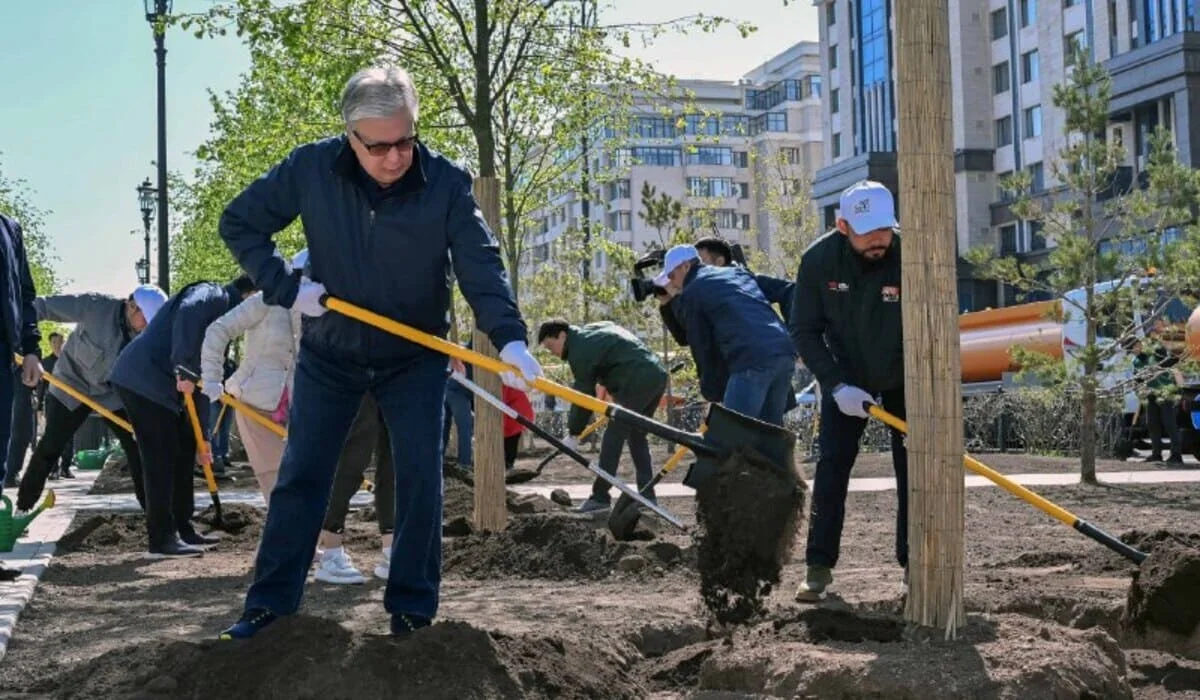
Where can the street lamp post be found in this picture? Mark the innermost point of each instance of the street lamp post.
(147, 197)
(156, 13)
(143, 270)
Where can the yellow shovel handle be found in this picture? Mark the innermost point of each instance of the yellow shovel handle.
(992, 475)
(590, 403)
(592, 427)
(253, 415)
(201, 443)
(75, 394)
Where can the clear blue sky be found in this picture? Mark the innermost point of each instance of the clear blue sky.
(77, 105)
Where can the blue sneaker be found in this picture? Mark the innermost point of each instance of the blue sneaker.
(404, 624)
(251, 624)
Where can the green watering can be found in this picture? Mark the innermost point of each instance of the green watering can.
(90, 460)
(12, 527)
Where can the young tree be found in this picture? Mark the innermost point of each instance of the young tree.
(788, 221)
(1108, 237)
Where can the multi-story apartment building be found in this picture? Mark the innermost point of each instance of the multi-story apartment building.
(715, 154)
(1006, 58)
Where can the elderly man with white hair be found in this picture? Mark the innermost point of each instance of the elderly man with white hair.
(104, 326)
(385, 220)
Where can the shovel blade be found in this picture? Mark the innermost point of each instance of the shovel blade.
(727, 430)
(624, 518)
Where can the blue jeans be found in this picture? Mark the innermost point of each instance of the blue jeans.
(459, 407)
(326, 398)
(761, 392)
(220, 433)
(8, 384)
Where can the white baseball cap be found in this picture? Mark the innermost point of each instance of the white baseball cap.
(675, 257)
(868, 206)
(149, 298)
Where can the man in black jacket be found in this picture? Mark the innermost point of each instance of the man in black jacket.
(846, 323)
(20, 332)
(385, 219)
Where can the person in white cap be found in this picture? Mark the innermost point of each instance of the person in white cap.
(104, 326)
(743, 353)
(846, 323)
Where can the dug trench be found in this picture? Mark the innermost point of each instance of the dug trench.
(1036, 628)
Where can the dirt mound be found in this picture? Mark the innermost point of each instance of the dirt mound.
(1146, 541)
(1165, 594)
(458, 501)
(823, 652)
(105, 532)
(558, 547)
(309, 657)
(746, 525)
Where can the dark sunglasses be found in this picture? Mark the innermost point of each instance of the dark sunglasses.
(382, 149)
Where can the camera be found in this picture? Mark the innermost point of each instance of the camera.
(641, 287)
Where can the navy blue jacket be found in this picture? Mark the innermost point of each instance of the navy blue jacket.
(730, 325)
(389, 250)
(19, 317)
(147, 365)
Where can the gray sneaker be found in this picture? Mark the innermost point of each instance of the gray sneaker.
(592, 505)
(816, 580)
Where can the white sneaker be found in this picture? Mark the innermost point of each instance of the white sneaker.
(335, 567)
(385, 565)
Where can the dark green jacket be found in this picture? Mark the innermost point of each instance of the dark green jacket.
(846, 320)
(605, 353)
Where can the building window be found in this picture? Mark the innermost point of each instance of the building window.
(790, 155)
(1000, 78)
(1033, 122)
(618, 190)
(1008, 239)
(711, 187)
(1036, 240)
(1029, 66)
(1028, 11)
(830, 14)
(1004, 132)
(832, 57)
(735, 125)
(874, 99)
(710, 155)
(1000, 23)
(741, 159)
(743, 189)
(620, 221)
(837, 145)
(1070, 3)
(1073, 43)
(1003, 193)
(834, 101)
(647, 155)
(1037, 177)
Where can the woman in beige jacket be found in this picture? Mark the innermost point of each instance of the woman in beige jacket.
(263, 379)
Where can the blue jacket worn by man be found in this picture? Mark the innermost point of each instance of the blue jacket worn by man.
(385, 222)
(20, 330)
(732, 328)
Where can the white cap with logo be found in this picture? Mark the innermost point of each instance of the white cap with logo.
(868, 206)
(675, 257)
(149, 298)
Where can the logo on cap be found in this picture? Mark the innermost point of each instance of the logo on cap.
(862, 206)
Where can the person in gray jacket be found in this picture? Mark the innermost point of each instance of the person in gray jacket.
(104, 326)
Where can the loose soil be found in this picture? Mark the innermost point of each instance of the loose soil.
(1045, 608)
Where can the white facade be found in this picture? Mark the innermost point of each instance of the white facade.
(713, 157)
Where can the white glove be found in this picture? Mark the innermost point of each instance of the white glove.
(213, 390)
(516, 353)
(850, 400)
(308, 299)
(571, 442)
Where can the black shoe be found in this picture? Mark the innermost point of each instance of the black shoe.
(1175, 459)
(404, 624)
(66, 473)
(250, 624)
(1152, 459)
(7, 574)
(174, 549)
(53, 476)
(196, 539)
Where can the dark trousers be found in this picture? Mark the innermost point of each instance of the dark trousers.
(61, 425)
(368, 434)
(219, 439)
(23, 426)
(616, 434)
(168, 451)
(511, 443)
(8, 384)
(839, 441)
(328, 395)
(1160, 418)
(460, 408)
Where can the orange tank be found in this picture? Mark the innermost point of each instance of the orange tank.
(988, 337)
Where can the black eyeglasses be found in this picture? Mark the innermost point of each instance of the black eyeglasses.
(382, 149)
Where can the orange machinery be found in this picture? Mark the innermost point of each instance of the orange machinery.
(988, 337)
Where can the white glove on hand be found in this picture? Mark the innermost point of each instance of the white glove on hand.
(516, 353)
(213, 390)
(308, 299)
(850, 400)
(571, 443)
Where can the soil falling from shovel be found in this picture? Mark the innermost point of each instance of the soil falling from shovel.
(746, 525)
